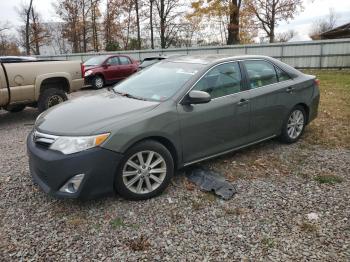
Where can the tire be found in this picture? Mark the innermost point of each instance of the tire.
(98, 82)
(149, 186)
(51, 97)
(15, 108)
(288, 135)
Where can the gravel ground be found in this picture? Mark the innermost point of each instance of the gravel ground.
(282, 210)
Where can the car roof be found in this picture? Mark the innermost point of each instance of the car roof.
(211, 59)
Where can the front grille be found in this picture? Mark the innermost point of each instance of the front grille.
(43, 139)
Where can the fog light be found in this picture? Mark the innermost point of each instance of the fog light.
(73, 184)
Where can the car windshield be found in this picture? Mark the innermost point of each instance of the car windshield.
(96, 60)
(158, 82)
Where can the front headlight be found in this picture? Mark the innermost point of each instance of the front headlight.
(69, 145)
(88, 72)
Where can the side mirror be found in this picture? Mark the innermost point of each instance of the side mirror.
(106, 65)
(197, 97)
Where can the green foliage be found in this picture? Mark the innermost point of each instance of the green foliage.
(112, 46)
(328, 179)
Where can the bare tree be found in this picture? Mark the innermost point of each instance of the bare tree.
(27, 12)
(8, 44)
(269, 12)
(151, 21)
(285, 36)
(322, 25)
(138, 24)
(168, 15)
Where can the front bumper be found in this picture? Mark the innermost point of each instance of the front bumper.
(51, 170)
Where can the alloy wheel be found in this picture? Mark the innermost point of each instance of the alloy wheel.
(295, 124)
(144, 172)
(98, 82)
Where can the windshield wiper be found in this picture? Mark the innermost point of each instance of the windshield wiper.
(128, 95)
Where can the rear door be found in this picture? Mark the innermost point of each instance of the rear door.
(269, 97)
(112, 71)
(126, 66)
(221, 124)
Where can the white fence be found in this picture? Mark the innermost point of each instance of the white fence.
(310, 54)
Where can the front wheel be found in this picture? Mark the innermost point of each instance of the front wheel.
(98, 82)
(294, 125)
(145, 171)
(51, 97)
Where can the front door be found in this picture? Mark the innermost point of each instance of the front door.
(221, 124)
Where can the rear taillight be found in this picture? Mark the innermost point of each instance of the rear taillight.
(82, 70)
(317, 82)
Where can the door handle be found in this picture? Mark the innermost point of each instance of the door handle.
(243, 102)
(290, 89)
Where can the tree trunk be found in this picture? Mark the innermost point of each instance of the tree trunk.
(233, 27)
(273, 21)
(151, 22)
(84, 26)
(94, 27)
(138, 24)
(35, 33)
(162, 24)
(27, 27)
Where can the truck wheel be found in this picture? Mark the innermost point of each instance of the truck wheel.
(15, 108)
(98, 82)
(51, 97)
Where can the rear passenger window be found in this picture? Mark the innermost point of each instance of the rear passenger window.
(282, 76)
(222, 80)
(260, 73)
(124, 60)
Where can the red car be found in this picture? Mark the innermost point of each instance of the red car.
(107, 69)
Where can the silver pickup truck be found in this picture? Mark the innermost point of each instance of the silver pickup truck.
(40, 84)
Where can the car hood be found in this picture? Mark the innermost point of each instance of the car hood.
(87, 114)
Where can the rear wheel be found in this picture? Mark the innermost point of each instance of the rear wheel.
(98, 82)
(15, 108)
(145, 171)
(51, 97)
(294, 125)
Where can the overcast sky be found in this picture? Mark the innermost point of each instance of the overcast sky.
(313, 10)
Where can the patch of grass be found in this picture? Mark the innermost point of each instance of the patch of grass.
(328, 179)
(139, 244)
(308, 227)
(209, 197)
(118, 222)
(238, 211)
(76, 221)
(331, 128)
(268, 242)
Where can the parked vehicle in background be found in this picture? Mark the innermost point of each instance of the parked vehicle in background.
(178, 112)
(7, 59)
(148, 61)
(108, 69)
(36, 83)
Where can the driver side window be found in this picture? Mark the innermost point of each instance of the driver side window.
(222, 80)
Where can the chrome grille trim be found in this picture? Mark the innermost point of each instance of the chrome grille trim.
(42, 138)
